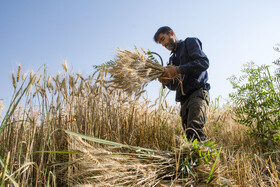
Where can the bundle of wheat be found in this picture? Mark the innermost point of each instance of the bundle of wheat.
(132, 71)
(100, 166)
(108, 163)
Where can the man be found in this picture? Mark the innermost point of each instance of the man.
(189, 63)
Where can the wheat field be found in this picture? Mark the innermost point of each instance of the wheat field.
(39, 146)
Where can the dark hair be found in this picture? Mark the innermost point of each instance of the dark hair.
(161, 30)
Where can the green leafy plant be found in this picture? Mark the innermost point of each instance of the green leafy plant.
(199, 154)
(256, 102)
(104, 65)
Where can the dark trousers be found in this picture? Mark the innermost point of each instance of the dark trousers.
(193, 114)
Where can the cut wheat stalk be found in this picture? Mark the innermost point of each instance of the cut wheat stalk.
(140, 166)
(132, 71)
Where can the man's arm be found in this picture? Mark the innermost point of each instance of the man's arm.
(199, 62)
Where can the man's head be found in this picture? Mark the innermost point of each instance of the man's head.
(166, 37)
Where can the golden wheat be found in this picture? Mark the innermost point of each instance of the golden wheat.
(33, 135)
(24, 75)
(49, 81)
(14, 80)
(65, 67)
(18, 72)
(132, 71)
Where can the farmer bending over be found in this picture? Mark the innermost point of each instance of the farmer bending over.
(189, 63)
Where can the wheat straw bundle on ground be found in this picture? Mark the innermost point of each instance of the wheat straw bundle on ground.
(111, 165)
(132, 71)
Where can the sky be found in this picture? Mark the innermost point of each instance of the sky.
(88, 32)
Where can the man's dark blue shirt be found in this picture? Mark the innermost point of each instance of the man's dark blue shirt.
(193, 65)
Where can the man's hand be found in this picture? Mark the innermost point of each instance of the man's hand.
(164, 81)
(170, 73)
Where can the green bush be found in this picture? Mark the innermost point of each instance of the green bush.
(256, 101)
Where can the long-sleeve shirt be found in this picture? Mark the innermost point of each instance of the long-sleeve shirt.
(193, 65)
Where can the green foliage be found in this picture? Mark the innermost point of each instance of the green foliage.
(104, 65)
(256, 102)
(211, 177)
(150, 56)
(13, 105)
(199, 153)
(5, 172)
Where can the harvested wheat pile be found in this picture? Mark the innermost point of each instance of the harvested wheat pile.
(115, 164)
(132, 71)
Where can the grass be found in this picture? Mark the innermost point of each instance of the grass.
(35, 151)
